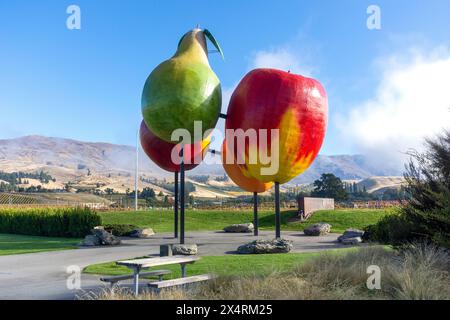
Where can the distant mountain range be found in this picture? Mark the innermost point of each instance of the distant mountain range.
(71, 160)
(346, 167)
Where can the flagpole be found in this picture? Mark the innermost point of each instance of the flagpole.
(136, 177)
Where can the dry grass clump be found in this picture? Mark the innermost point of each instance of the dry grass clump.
(416, 271)
(118, 293)
(422, 272)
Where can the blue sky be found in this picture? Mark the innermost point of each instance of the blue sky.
(86, 84)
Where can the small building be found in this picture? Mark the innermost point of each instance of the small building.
(308, 206)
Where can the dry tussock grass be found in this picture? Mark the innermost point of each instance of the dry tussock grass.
(416, 271)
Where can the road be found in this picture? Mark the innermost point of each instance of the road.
(44, 275)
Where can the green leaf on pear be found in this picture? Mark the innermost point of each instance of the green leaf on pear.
(213, 40)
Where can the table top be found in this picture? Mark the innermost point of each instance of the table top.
(158, 261)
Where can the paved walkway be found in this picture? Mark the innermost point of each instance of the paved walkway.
(44, 275)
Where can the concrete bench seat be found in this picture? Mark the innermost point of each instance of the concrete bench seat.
(114, 279)
(180, 281)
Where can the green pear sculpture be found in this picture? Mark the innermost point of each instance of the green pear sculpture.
(183, 89)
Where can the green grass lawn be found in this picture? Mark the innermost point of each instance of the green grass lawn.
(17, 244)
(196, 220)
(343, 219)
(225, 265)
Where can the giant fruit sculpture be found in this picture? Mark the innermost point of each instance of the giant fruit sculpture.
(234, 172)
(161, 151)
(183, 89)
(274, 99)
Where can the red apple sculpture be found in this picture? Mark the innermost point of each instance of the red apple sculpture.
(273, 99)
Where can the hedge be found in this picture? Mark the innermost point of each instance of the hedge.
(48, 222)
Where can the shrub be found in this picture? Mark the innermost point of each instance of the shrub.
(428, 183)
(120, 230)
(426, 215)
(48, 222)
(394, 229)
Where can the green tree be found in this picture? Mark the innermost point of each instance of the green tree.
(354, 188)
(109, 191)
(428, 185)
(189, 187)
(426, 213)
(150, 201)
(147, 193)
(329, 186)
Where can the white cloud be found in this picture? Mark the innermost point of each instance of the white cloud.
(283, 58)
(412, 101)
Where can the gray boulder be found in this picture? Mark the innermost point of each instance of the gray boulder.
(91, 241)
(351, 241)
(106, 238)
(266, 246)
(318, 229)
(351, 233)
(142, 233)
(184, 249)
(351, 237)
(240, 228)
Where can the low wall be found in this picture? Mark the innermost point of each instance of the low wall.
(310, 205)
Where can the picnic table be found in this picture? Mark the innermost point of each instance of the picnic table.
(138, 264)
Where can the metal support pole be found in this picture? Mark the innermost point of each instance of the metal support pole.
(183, 270)
(277, 211)
(136, 178)
(136, 271)
(175, 207)
(255, 213)
(182, 197)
